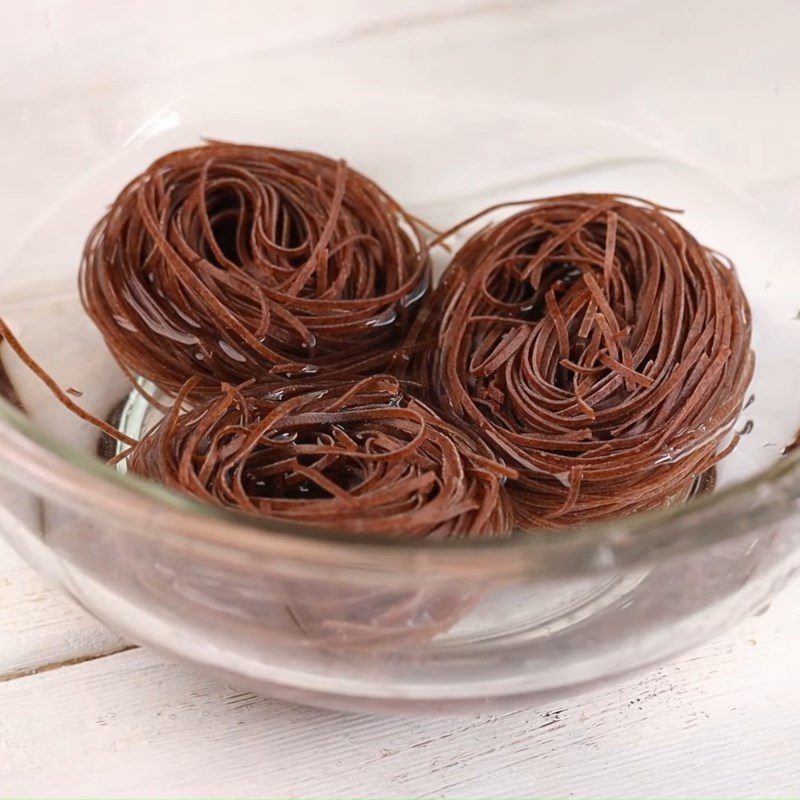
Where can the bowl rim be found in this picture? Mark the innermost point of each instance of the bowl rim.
(33, 458)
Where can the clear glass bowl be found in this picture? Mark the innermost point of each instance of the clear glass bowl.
(326, 619)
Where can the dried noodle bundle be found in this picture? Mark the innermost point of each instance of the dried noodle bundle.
(229, 262)
(595, 345)
(360, 457)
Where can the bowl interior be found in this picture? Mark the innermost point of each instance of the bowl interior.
(443, 162)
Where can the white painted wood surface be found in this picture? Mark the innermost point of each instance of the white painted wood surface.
(723, 721)
(82, 715)
(38, 627)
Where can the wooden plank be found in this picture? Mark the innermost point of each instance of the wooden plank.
(724, 722)
(39, 626)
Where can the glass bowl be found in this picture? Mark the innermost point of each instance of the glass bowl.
(327, 619)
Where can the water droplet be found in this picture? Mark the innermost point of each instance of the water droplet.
(309, 369)
(162, 329)
(125, 324)
(415, 294)
(187, 319)
(563, 479)
(748, 426)
(385, 318)
(230, 352)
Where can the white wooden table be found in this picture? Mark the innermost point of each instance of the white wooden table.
(83, 713)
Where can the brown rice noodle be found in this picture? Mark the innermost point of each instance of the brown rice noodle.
(360, 457)
(594, 345)
(229, 261)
